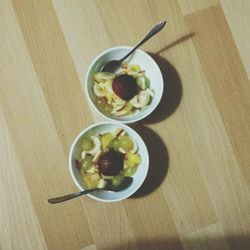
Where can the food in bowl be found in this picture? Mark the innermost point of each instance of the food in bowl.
(106, 159)
(123, 94)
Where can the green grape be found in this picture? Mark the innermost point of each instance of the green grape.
(126, 143)
(116, 144)
(106, 140)
(117, 180)
(87, 144)
(87, 163)
(129, 163)
(129, 171)
(135, 158)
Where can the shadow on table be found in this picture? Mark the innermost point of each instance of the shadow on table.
(158, 160)
(172, 93)
(241, 242)
(171, 98)
(176, 42)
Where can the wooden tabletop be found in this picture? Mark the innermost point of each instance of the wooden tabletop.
(197, 193)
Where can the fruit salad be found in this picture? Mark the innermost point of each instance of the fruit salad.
(126, 93)
(105, 159)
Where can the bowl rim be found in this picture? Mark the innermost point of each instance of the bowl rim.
(127, 128)
(92, 103)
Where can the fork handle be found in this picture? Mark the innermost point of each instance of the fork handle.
(159, 26)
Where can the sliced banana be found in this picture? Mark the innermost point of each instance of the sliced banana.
(100, 89)
(83, 155)
(103, 76)
(135, 102)
(117, 109)
(143, 97)
(118, 101)
(102, 183)
(125, 110)
(97, 145)
(97, 155)
(141, 100)
(135, 147)
(151, 92)
(106, 177)
(108, 86)
(141, 82)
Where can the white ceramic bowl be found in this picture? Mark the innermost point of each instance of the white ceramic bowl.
(146, 63)
(138, 177)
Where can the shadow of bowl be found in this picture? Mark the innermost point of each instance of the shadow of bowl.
(158, 160)
(172, 93)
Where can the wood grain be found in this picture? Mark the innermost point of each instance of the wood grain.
(19, 225)
(191, 6)
(229, 85)
(235, 11)
(196, 195)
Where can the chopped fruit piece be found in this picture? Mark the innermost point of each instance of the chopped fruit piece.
(103, 76)
(151, 92)
(87, 144)
(91, 170)
(102, 101)
(141, 82)
(97, 145)
(108, 85)
(95, 177)
(125, 110)
(129, 171)
(91, 180)
(100, 90)
(129, 163)
(108, 108)
(135, 67)
(135, 158)
(117, 109)
(124, 65)
(125, 165)
(106, 139)
(143, 97)
(122, 150)
(117, 180)
(97, 155)
(116, 144)
(118, 101)
(83, 155)
(125, 86)
(110, 163)
(106, 177)
(102, 183)
(78, 164)
(135, 147)
(126, 143)
(87, 163)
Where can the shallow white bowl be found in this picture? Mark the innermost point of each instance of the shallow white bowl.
(146, 63)
(138, 177)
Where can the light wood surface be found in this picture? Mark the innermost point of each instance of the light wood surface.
(197, 193)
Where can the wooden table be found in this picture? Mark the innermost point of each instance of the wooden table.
(197, 194)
